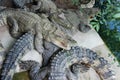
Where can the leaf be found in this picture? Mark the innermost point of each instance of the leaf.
(105, 22)
(97, 27)
(109, 1)
(101, 22)
(118, 9)
(118, 36)
(117, 15)
(93, 23)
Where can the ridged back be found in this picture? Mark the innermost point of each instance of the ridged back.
(65, 59)
(25, 43)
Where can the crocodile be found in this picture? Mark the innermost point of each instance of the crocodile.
(68, 64)
(21, 46)
(36, 5)
(60, 64)
(72, 21)
(49, 50)
(49, 8)
(21, 21)
(48, 5)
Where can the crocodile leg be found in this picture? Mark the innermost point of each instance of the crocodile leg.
(34, 69)
(35, 7)
(78, 67)
(14, 29)
(38, 39)
(39, 43)
(70, 75)
(32, 8)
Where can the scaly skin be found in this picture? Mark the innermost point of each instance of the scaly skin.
(71, 21)
(22, 45)
(22, 21)
(68, 64)
(49, 50)
(41, 5)
(60, 64)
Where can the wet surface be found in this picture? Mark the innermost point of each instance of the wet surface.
(19, 76)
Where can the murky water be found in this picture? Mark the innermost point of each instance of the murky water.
(21, 76)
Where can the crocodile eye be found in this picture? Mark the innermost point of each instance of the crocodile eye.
(91, 17)
(83, 27)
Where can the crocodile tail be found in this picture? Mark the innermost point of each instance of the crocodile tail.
(66, 58)
(22, 45)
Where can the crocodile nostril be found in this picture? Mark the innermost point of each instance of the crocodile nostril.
(83, 28)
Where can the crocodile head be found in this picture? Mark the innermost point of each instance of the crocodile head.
(53, 33)
(62, 40)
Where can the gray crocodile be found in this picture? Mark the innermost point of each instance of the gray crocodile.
(72, 20)
(49, 50)
(60, 64)
(49, 5)
(21, 21)
(67, 65)
(36, 5)
(22, 45)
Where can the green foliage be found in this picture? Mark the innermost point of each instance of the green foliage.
(112, 39)
(110, 13)
(110, 10)
(75, 2)
(95, 22)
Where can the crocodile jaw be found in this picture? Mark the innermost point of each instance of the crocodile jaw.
(64, 43)
(61, 44)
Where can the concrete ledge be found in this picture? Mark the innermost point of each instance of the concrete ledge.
(93, 41)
